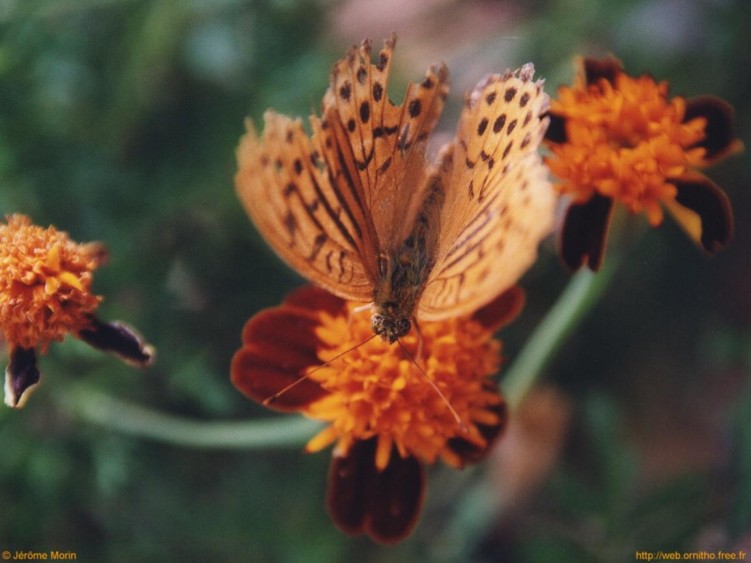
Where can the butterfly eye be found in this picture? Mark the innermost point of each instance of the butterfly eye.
(403, 326)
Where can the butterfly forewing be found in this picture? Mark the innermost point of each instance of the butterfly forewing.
(302, 209)
(386, 141)
(498, 201)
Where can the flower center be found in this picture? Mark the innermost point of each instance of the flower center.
(45, 281)
(376, 389)
(626, 141)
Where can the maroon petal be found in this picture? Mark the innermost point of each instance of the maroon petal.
(702, 196)
(382, 504)
(719, 139)
(471, 453)
(278, 345)
(556, 131)
(502, 310)
(21, 376)
(315, 299)
(591, 70)
(119, 339)
(584, 233)
(595, 69)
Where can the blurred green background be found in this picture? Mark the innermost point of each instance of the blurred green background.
(118, 122)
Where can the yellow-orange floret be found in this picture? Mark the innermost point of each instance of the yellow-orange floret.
(45, 283)
(625, 140)
(376, 390)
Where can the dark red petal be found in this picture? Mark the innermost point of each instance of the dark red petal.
(719, 140)
(119, 339)
(471, 453)
(701, 195)
(584, 233)
(316, 299)
(556, 131)
(278, 344)
(382, 504)
(595, 69)
(502, 310)
(21, 376)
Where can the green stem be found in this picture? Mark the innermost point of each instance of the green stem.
(477, 510)
(577, 299)
(99, 408)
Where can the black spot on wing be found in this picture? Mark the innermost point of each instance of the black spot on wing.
(415, 107)
(499, 122)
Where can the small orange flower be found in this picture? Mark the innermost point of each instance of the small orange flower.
(45, 293)
(616, 138)
(385, 414)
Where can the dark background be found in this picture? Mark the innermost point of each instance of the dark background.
(118, 122)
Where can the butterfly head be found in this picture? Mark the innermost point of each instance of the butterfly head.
(389, 323)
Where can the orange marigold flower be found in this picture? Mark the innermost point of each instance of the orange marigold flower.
(45, 283)
(617, 138)
(45, 293)
(386, 415)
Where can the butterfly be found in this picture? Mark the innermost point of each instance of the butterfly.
(357, 209)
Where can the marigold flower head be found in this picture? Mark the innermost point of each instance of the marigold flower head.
(45, 283)
(618, 138)
(384, 413)
(45, 293)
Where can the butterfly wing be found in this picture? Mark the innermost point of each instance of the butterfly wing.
(498, 203)
(382, 142)
(303, 207)
(331, 204)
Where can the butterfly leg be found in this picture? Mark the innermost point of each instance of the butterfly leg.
(356, 311)
(418, 355)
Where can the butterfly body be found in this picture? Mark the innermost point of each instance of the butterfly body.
(357, 209)
(406, 270)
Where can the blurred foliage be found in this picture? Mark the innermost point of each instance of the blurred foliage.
(118, 122)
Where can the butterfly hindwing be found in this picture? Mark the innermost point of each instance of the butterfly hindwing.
(498, 201)
(302, 209)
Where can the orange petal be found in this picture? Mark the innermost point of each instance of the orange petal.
(384, 504)
(585, 231)
(324, 438)
(53, 259)
(704, 212)
(69, 278)
(719, 140)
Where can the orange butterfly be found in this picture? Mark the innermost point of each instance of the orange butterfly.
(357, 210)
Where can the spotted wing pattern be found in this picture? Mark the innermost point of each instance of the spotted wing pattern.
(498, 203)
(331, 204)
(338, 204)
(305, 213)
(383, 142)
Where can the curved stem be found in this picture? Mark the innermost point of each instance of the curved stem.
(99, 408)
(577, 299)
(478, 508)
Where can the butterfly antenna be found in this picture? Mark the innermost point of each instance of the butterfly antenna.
(452, 410)
(275, 396)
